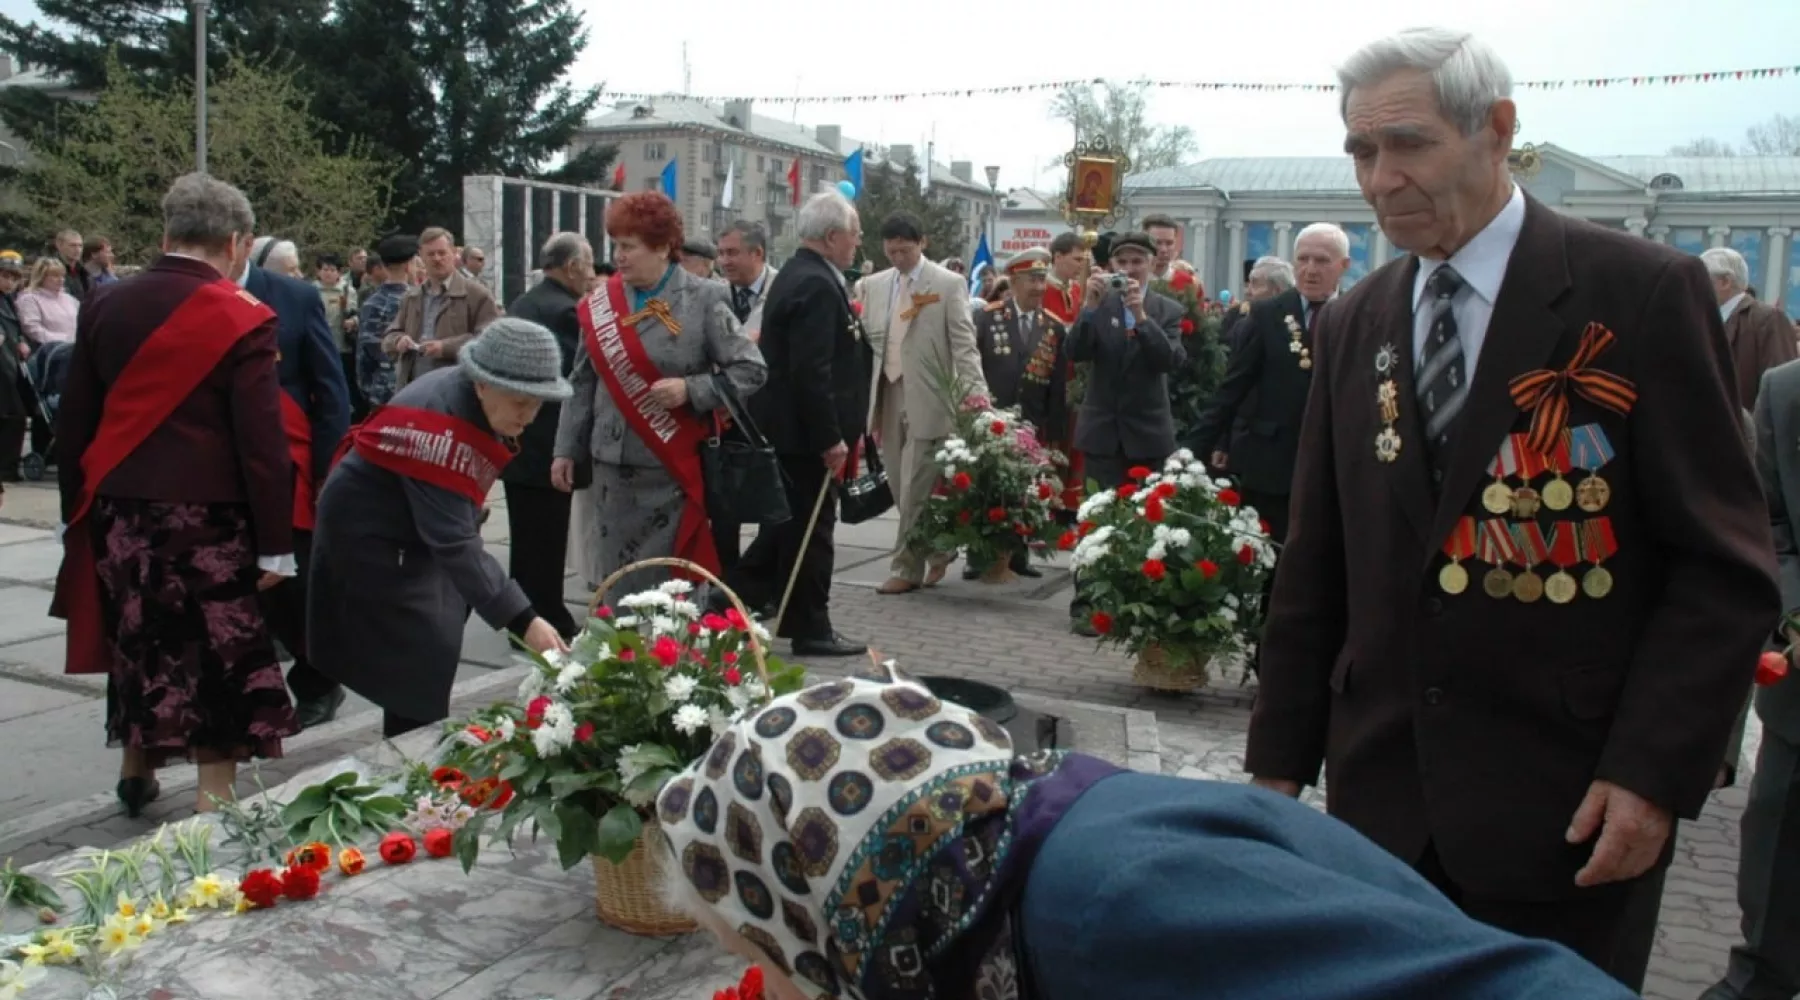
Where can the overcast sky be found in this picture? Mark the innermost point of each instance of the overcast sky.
(810, 47)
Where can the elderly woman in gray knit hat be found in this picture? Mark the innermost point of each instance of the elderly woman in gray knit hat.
(398, 561)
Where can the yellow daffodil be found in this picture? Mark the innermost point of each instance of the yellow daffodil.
(143, 926)
(64, 951)
(207, 892)
(34, 954)
(115, 936)
(14, 978)
(127, 908)
(179, 915)
(242, 905)
(159, 910)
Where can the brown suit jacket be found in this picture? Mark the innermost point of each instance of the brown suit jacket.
(223, 444)
(471, 307)
(1761, 337)
(1477, 724)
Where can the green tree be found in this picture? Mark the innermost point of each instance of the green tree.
(115, 162)
(1121, 113)
(888, 189)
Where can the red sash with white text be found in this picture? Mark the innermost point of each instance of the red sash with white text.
(299, 438)
(164, 371)
(674, 437)
(431, 447)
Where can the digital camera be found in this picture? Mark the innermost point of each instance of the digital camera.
(1116, 282)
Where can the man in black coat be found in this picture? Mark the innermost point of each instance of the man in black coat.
(813, 409)
(537, 513)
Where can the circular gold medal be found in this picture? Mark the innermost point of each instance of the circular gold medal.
(1525, 503)
(1597, 583)
(1497, 583)
(1528, 586)
(1593, 494)
(1561, 587)
(1497, 498)
(1453, 579)
(1558, 494)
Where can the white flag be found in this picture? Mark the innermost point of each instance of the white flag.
(730, 183)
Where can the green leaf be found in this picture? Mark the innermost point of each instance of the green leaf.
(516, 767)
(345, 780)
(547, 820)
(468, 842)
(619, 832)
(564, 785)
(384, 805)
(311, 801)
(580, 831)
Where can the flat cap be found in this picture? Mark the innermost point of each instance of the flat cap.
(699, 248)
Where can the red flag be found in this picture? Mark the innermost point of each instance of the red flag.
(619, 178)
(794, 181)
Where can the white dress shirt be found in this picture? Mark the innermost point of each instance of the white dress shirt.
(911, 277)
(1730, 306)
(1482, 263)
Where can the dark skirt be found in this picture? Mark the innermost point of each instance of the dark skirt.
(194, 673)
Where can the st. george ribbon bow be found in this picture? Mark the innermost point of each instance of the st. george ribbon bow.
(1545, 393)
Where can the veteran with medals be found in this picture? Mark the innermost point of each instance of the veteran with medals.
(1527, 746)
(398, 558)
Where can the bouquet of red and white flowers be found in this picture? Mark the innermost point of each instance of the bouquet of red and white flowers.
(997, 494)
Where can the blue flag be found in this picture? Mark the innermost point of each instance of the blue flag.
(668, 180)
(853, 169)
(983, 258)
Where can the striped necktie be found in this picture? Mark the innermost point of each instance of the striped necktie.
(1442, 382)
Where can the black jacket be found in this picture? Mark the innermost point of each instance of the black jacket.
(1264, 389)
(1126, 409)
(551, 305)
(819, 362)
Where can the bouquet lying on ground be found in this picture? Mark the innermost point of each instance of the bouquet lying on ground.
(1171, 559)
(596, 732)
(997, 494)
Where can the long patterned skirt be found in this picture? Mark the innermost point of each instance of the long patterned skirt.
(194, 673)
(639, 514)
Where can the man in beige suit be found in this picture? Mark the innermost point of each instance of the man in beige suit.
(917, 317)
(1759, 335)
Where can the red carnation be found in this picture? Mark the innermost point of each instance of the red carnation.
(997, 428)
(439, 843)
(728, 657)
(736, 618)
(627, 655)
(1154, 569)
(856, 308)
(1229, 497)
(1164, 489)
(961, 481)
(1153, 510)
(534, 711)
(1771, 667)
(1208, 569)
(603, 611)
(1246, 555)
(693, 629)
(398, 848)
(1127, 491)
(261, 887)
(1263, 523)
(448, 777)
(997, 515)
(300, 882)
(717, 623)
(479, 732)
(1138, 472)
(1187, 326)
(1067, 541)
(1101, 621)
(584, 732)
(733, 676)
(1044, 492)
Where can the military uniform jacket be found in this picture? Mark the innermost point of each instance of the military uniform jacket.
(1008, 338)
(1778, 459)
(1477, 723)
(1265, 389)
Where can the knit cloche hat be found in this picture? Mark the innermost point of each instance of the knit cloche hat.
(519, 356)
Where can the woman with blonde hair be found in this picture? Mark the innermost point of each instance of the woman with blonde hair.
(47, 311)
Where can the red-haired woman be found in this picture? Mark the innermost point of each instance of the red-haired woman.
(658, 346)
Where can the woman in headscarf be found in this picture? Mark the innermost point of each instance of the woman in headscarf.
(398, 560)
(864, 839)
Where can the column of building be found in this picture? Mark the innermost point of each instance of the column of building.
(1284, 240)
(1199, 234)
(1716, 235)
(1659, 233)
(1234, 274)
(1775, 270)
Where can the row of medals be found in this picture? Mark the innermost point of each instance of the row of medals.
(1592, 496)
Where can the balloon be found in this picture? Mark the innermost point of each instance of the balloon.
(847, 189)
(1225, 296)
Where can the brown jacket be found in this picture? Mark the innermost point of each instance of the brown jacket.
(1475, 723)
(1760, 338)
(471, 307)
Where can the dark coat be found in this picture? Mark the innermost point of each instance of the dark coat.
(1777, 430)
(1264, 389)
(310, 370)
(1761, 337)
(396, 566)
(549, 304)
(820, 365)
(1126, 409)
(12, 367)
(1474, 723)
(223, 444)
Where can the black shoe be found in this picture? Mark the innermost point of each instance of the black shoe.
(1085, 627)
(317, 711)
(971, 573)
(1028, 570)
(830, 644)
(136, 793)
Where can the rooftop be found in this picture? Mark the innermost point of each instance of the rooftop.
(1715, 175)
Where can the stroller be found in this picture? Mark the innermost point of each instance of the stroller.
(46, 372)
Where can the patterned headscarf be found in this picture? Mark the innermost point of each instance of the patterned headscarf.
(868, 838)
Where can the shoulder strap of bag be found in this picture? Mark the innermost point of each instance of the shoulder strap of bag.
(740, 414)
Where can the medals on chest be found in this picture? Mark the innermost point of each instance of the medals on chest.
(1387, 401)
(1453, 578)
(1297, 343)
(1589, 450)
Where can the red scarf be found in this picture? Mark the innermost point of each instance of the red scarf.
(165, 370)
(299, 438)
(674, 436)
(431, 447)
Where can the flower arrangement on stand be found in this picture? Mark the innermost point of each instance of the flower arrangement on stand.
(1173, 565)
(595, 733)
(997, 495)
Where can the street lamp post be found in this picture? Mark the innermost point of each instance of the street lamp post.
(993, 176)
(200, 85)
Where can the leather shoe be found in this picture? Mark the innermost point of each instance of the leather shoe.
(830, 644)
(1082, 626)
(136, 793)
(896, 585)
(318, 711)
(1028, 571)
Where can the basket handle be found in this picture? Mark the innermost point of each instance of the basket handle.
(756, 646)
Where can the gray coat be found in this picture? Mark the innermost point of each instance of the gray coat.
(1126, 410)
(1778, 459)
(396, 566)
(592, 423)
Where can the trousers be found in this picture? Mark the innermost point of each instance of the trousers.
(537, 518)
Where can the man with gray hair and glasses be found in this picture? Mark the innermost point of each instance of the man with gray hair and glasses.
(1528, 572)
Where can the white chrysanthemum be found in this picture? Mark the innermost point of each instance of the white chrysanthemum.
(568, 677)
(676, 587)
(558, 716)
(630, 768)
(548, 742)
(1183, 455)
(739, 698)
(686, 610)
(649, 600)
(1189, 481)
(689, 719)
(1094, 505)
(719, 721)
(1231, 600)
(1180, 537)
(665, 625)
(680, 688)
(628, 622)
(507, 728)
(1228, 614)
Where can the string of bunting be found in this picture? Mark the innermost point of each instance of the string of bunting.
(1588, 83)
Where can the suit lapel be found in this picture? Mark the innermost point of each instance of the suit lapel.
(1735, 324)
(1410, 482)
(1523, 332)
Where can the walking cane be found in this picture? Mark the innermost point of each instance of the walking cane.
(805, 540)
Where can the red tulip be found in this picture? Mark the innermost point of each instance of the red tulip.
(1771, 667)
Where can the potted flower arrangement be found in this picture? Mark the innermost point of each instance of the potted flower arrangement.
(997, 494)
(595, 733)
(1173, 565)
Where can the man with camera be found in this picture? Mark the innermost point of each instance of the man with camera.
(1131, 339)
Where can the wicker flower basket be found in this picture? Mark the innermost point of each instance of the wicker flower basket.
(1171, 668)
(629, 895)
(999, 571)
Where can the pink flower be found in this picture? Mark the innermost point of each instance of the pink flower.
(667, 651)
(627, 655)
(733, 676)
(715, 623)
(603, 611)
(729, 658)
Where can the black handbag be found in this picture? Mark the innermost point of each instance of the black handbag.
(743, 476)
(866, 496)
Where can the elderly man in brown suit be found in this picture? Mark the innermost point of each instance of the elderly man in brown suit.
(438, 317)
(1759, 335)
(1528, 572)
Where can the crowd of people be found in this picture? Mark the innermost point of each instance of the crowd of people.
(248, 458)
